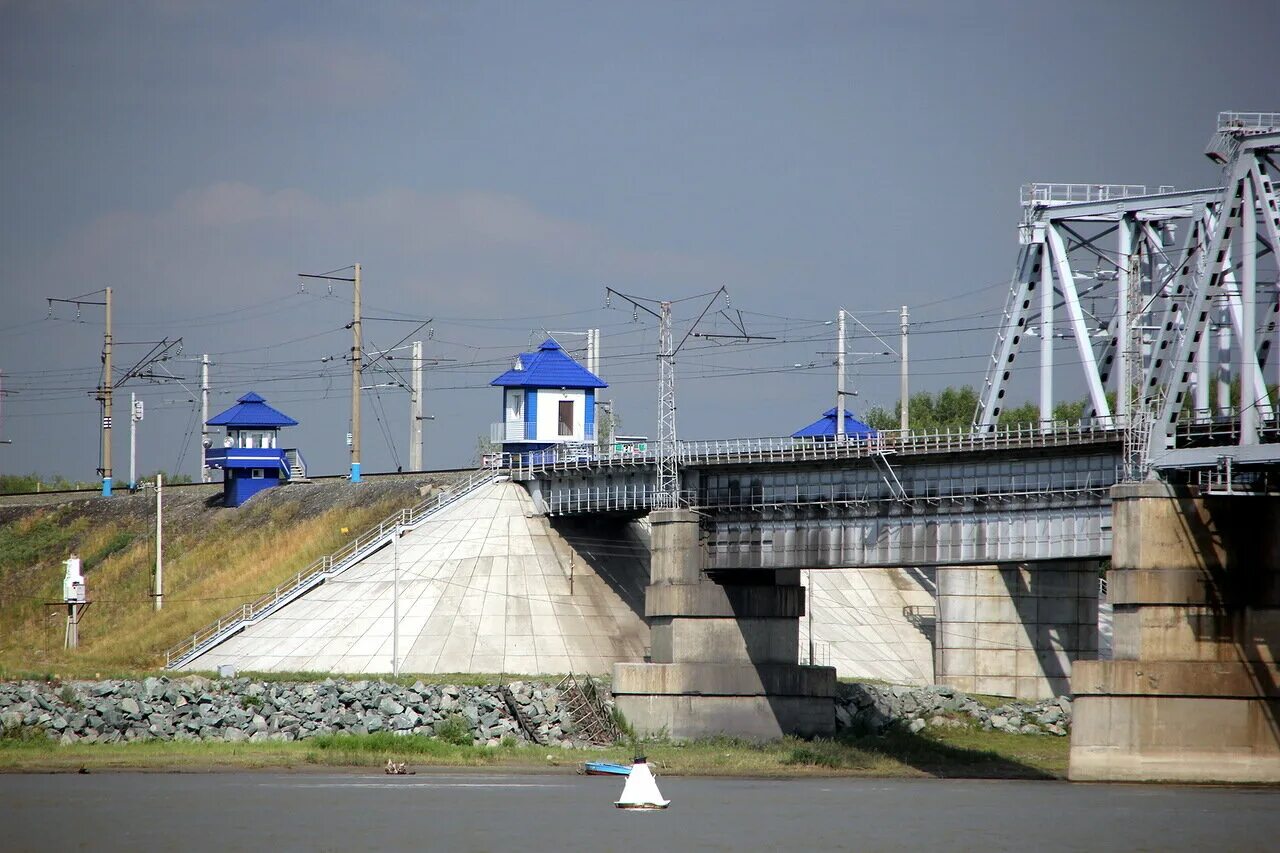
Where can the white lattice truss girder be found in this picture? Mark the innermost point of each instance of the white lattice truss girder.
(1175, 280)
(1049, 276)
(1222, 271)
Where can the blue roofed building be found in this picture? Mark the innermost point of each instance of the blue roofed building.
(250, 456)
(824, 429)
(548, 400)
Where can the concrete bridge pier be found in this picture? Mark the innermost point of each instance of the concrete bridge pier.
(723, 648)
(1015, 629)
(1193, 691)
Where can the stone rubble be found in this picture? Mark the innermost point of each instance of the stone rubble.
(873, 708)
(243, 709)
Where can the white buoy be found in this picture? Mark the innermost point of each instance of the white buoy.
(641, 791)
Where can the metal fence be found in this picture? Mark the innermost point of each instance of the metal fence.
(788, 449)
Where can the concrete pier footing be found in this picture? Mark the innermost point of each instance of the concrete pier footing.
(1016, 629)
(1193, 694)
(723, 649)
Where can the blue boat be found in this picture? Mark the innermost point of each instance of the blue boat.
(604, 768)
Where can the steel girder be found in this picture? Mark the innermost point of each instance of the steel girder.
(1210, 274)
(1050, 236)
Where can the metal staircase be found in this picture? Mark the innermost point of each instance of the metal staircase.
(297, 466)
(322, 569)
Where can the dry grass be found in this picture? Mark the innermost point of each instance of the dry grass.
(213, 563)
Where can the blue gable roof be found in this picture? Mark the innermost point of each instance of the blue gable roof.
(549, 367)
(251, 411)
(826, 427)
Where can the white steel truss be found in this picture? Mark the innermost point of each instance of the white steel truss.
(1222, 270)
(1077, 244)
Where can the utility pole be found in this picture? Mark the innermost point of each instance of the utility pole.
(415, 408)
(105, 387)
(395, 601)
(205, 475)
(904, 423)
(840, 433)
(159, 593)
(106, 402)
(357, 355)
(667, 494)
(2, 440)
(357, 359)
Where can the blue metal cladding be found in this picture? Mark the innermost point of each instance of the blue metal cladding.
(531, 415)
(240, 484)
(251, 411)
(246, 457)
(826, 427)
(549, 367)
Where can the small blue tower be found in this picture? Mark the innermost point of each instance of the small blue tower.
(548, 400)
(250, 457)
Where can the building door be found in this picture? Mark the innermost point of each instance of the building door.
(566, 417)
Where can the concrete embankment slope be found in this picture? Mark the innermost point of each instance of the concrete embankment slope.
(484, 586)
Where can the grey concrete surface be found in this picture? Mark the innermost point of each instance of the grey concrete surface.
(562, 812)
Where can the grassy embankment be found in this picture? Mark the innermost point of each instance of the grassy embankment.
(214, 560)
(967, 753)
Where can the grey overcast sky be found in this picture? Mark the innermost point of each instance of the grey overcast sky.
(495, 165)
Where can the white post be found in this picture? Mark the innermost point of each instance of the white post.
(1046, 339)
(159, 594)
(415, 409)
(205, 475)
(809, 614)
(840, 434)
(905, 422)
(133, 441)
(395, 601)
(1248, 305)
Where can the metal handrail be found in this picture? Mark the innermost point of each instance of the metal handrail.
(789, 449)
(323, 567)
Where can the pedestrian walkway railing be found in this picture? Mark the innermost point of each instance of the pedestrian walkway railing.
(789, 449)
(322, 569)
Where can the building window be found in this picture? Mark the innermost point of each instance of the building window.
(255, 473)
(566, 417)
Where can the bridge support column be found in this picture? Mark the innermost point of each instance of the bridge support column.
(723, 650)
(1193, 694)
(1016, 629)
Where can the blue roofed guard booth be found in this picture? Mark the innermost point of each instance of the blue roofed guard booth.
(250, 457)
(824, 429)
(548, 401)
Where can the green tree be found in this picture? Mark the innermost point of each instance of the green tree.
(952, 408)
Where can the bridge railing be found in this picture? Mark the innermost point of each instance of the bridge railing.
(789, 449)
